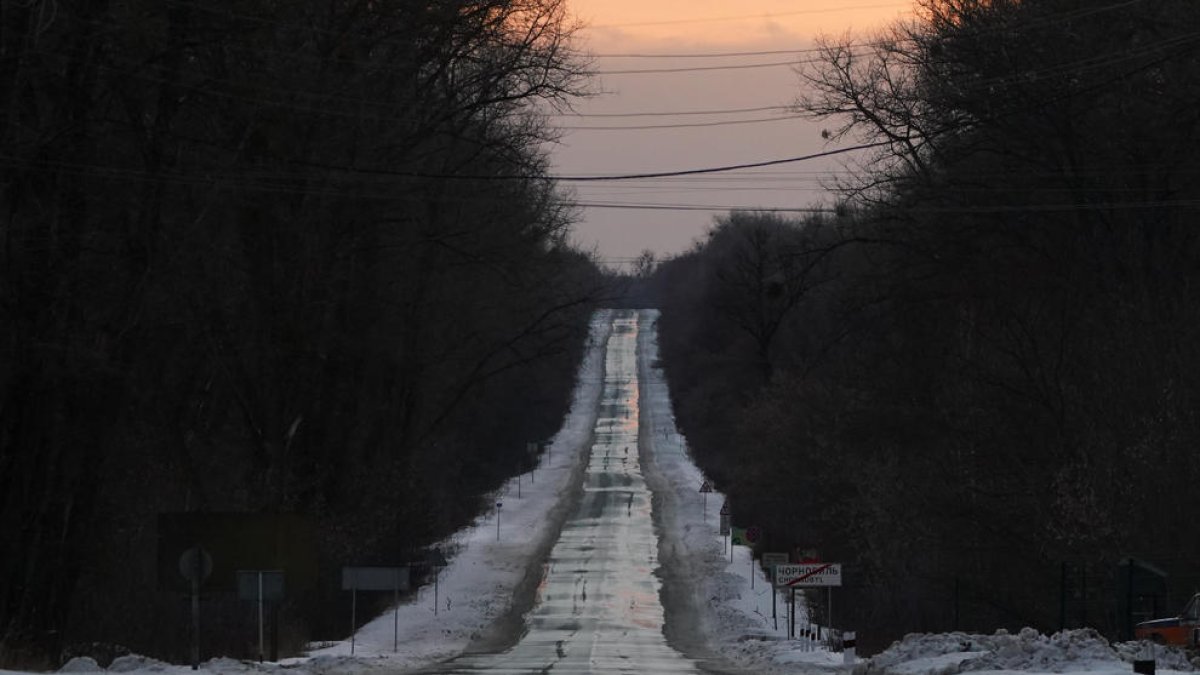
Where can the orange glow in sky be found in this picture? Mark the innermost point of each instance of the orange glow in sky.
(717, 22)
(688, 114)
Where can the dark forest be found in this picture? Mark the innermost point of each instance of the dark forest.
(268, 257)
(282, 258)
(976, 381)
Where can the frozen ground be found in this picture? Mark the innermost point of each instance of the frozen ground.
(1072, 651)
(713, 594)
(733, 612)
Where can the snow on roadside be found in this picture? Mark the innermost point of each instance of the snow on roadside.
(474, 589)
(737, 618)
(1071, 651)
(477, 587)
(736, 607)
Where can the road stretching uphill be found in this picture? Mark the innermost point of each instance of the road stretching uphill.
(598, 609)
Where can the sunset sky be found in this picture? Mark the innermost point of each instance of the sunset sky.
(648, 28)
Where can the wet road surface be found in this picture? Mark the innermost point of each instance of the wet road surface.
(597, 609)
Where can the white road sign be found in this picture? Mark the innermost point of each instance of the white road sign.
(808, 574)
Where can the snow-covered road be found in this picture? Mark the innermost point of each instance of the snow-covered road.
(598, 607)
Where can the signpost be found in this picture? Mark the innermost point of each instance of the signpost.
(705, 488)
(237, 541)
(437, 561)
(260, 586)
(770, 560)
(808, 575)
(499, 505)
(355, 579)
(195, 565)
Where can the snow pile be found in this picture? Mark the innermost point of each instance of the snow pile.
(1030, 650)
(735, 609)
(1170, 658)
(81, 664)
(131, 663)
(937, 654)
(1081, 650)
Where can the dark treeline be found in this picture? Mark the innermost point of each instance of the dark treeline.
(268, 257)
(977, 384)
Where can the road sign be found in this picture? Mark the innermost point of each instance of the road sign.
(436, 558)
(725, 509)
(194, 570)
(237, 541)
(753, 534)
(808, 574)
(374, 578)
(260, 585)
(806, 555)
(770, 560)
(706, 487)
(355, 579)
(724, 524)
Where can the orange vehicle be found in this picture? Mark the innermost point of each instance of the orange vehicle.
(1182, 630)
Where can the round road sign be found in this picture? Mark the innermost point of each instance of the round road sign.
(188, 566)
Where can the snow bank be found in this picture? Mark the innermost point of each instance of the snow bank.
(477, 587)
(735, 607)
(1081, 650)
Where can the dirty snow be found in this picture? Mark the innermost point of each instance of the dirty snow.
(1029, 651)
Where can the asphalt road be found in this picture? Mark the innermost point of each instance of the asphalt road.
(598, 607)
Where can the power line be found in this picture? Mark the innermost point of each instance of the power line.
(744, 17)
(720, 169)
(709, 55)
(239, 182)
(680, 126)
(696, 69)
(740, 66)
(664, 113)
(1008, 208)
(700, 207)
(117, 171)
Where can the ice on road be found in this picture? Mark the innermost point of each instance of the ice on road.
(598, 607)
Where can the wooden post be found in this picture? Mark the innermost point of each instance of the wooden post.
(792, 630)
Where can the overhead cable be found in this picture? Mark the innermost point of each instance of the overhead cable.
(675, 113)
(686, 125)
(744, 17)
